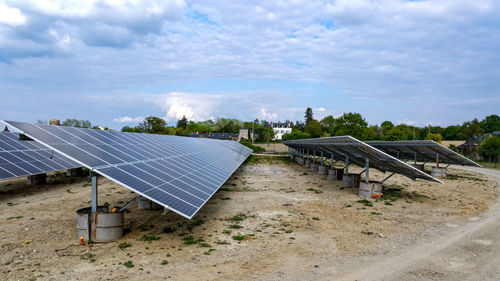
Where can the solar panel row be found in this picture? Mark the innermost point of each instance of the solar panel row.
(23, 158)
(177, 172)
(358, 152)
(422, 150)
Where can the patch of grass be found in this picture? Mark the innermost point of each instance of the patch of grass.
(315, 218)
(205, 245)
(168, 229)
(289, 231)
(195, 224)
(392, 193)
(150, 237)
(388, 203)
(124, 245)
(128, 264)
(190, 240)
(225, 189)
(10, 204)
(226, 198)
(240, 217)
(226, 231)
(209, 251)
(315, 190)
(239, 237)
(106, 204)
(365, 202)
(164, 262)
(11, 218)
(376, 213)
(235, 226)
(304, 173)
(69, 191)
(222, 243)
(90, 257)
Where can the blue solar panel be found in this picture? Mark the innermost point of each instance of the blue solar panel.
(178, 173)
(20, 158)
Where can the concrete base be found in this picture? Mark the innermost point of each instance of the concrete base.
(314, 167)
(367, 190)
(77, 172)
(146, 204)
(350, 180)
(100, 226)
(301, 161)
(418, 166)
(331, 174)
(322, 170)
(439, 172)
(308, 164)
(37, 179)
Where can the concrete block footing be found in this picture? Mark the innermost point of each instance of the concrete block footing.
(438, 172)
(146, 204)
(322, 170)
(314, 167)
(367, 190)
(77, 172)
(308, 164)
(36, 179)
(350, 180)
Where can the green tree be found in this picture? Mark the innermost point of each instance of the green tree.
(313, 128)
(309, 115)
(397, 133)
(191, 127)
(130, 129)
(328, 124)
(352, 124)
(76, 123)
(386, 126)
(435, 137)
(182, 123)
(490, 148)
(471, 129)
(153, 125)
(453, 132)
(299, 125)
(491, 123)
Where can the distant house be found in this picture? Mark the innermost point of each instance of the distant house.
(471, 145)
(243, 133)
(281, 129)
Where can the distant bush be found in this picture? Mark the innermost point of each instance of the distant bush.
(296, 135)
(255, 148)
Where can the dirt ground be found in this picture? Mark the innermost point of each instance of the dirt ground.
(272, 220)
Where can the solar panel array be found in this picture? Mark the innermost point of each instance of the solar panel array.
(422, 150)
(358, 151)
(20, 158)
(179, 173)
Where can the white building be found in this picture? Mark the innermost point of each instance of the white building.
(281, 129)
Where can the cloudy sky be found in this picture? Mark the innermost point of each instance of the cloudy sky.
(114, 62)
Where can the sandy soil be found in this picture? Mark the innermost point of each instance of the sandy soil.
(294, 225)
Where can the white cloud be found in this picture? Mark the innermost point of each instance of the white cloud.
(271, 116)
(128, 119)
(406, 122)
(196, 107)
(11, 16)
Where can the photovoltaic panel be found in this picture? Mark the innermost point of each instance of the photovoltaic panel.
(358, 151)
(20, 158)
(179, 173)
(422, 150)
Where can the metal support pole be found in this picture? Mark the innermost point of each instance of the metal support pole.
(322, 158)
(314, 157)
(367, 170)
(128, 204)
(387, 177)
(437, 160)
(331, 163)
(94, 193)
(308, 154)
(448, 166)
(347, 164)
(415, 157)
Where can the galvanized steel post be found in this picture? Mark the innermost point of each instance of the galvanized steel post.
(367, 170)
(347, 164)
(94, 193)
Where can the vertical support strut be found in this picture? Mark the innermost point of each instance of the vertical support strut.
(94, 193)
(322, 158)
(314, 157)
(367, 170)
(347, 164)
(415, 157)
(437, 159)
(331, 163)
